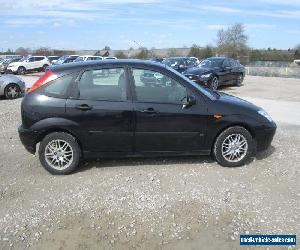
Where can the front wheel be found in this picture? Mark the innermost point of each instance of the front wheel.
(59, 153)
(12, 91)
(233, 147)
(214, 83)
(239, 80)
(21, 71)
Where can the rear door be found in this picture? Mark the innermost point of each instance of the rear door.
(102, 110)
(235, 71)
(161, 122)
(226, 72)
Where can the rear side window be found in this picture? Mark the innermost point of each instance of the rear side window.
(103, 84)
(58, 87)
(233, 63)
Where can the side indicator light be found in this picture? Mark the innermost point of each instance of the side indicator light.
(218, 116)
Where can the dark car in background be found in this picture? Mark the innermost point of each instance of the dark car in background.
(76, 112)
(53, 59)
(180, 64)
(6, 62)
(65, 59)
(217, 71)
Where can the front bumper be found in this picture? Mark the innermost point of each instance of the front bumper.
(199, 80)
(28, 139)
(264, 136)
(12, 69)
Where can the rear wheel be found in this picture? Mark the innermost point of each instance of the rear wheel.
(45, 67)
(214, 83)
(59, 153)
(233, 147)
(239, 80)
(21, 71)
(12, 91)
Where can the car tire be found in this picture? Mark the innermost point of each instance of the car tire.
(45, 67)
(21, 70)
(59, 153)
(239, 80)
(233, 147)
(12, 91)
(214, 83)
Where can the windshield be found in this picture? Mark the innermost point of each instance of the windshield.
(211, 63)
(172, 62)
(209, 93)
(24, 58)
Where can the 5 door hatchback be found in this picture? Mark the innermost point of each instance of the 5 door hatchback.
(78, 111)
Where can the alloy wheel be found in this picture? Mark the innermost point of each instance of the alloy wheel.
(12, 92)
(234, 147)
(214, 83)
(59, 154)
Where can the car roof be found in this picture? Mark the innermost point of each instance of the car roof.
(177, 57)
(117, 62)
(218, 58)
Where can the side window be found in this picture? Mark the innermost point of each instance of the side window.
(152, 86)
(226, 63)
(31, 59)
(103, 84)
(58, 87)
(233, 63)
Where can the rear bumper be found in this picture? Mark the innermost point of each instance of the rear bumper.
(28, 139)
(264, 136)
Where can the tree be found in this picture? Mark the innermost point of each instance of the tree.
(120, 54)
(43, 51)
(232, 41)
(201, 53)
(143, 54)
(172, 53)
(297, 52)
(22, 51)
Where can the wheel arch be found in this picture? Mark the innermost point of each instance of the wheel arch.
(48, 131)
(235, 124)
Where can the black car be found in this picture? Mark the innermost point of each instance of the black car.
(180, 64)
(216, 71)
(65, 59)
(76, 112)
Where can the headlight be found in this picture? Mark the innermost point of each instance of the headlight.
(206, 75)
(265, 114)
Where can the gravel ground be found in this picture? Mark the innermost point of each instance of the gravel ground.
(161, 203)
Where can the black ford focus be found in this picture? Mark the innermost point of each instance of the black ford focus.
(78, 111)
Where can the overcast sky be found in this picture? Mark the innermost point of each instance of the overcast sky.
(92, 24)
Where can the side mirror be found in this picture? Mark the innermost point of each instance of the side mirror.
(188, 101)
(181, 66)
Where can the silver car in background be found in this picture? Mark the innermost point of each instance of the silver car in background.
(11, 86)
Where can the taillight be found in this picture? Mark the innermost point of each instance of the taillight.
(47, 77)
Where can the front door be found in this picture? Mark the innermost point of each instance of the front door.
(102, 111)
(161, 121)
(226, 77)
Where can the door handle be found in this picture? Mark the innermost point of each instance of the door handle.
(149, 111)
(84, 107)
